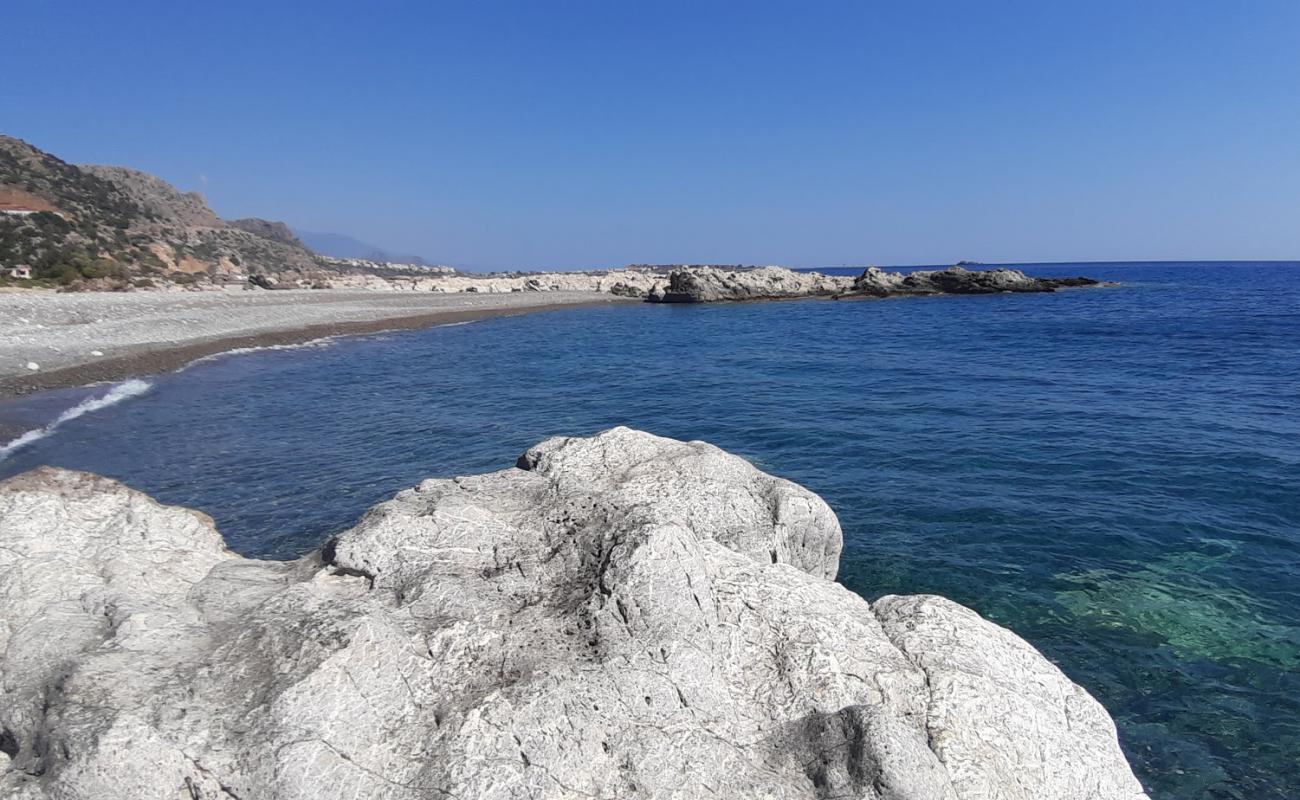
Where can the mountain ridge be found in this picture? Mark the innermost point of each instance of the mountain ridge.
(103, 227)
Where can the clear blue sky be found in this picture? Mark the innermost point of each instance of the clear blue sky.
(582, 133)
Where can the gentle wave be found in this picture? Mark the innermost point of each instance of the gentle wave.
(324, 341)
(313, 344)
(120, 392)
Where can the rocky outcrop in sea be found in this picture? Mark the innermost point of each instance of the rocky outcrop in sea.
(714, 285)
(709, 284)
(615, 616)
(875, 282)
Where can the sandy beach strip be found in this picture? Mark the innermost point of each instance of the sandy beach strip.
(80, 338)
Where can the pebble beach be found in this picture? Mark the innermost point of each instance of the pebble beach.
(57, 339)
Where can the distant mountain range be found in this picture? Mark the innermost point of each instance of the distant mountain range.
(338, 245)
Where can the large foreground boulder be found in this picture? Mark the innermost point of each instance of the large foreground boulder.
(616, 616)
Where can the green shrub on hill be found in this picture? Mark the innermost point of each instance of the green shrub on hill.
(112, 223)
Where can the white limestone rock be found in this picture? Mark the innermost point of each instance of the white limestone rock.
(617, 616)
(718, 284)
(628, 282)
(1005, 720)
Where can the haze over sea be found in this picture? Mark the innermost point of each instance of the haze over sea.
(1114, 474)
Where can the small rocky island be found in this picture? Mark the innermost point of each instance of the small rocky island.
(616, 616)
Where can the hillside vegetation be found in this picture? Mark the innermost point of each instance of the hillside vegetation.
(114, 227)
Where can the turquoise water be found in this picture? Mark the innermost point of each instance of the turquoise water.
(1112, 473)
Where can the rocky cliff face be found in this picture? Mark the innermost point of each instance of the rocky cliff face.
(157, 199)
(617, 616)
(275, 231)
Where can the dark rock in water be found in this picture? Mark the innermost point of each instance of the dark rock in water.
(875, 282)
(617, 616)
(1077, 281)
(959, 280)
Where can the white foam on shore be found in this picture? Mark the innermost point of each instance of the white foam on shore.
(136, 387)
(314, 344)
(120, 392)
(324, 341)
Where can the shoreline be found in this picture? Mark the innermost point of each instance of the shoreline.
(167, 356)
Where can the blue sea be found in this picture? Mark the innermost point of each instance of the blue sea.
(1112, 473)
